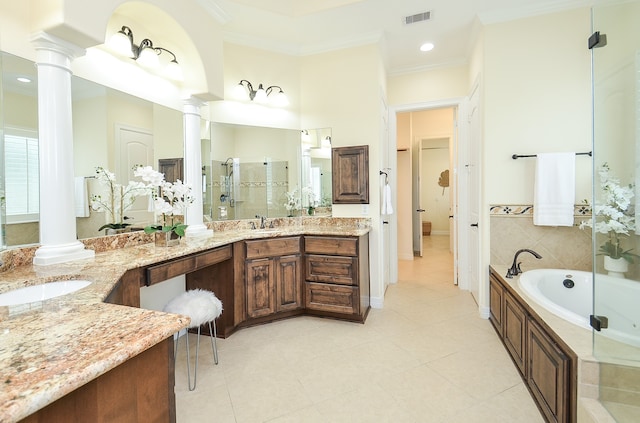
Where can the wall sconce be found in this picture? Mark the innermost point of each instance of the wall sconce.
(244, 91)
(145, 54)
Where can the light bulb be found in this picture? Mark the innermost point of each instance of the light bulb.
(148, 57)
(240, 93)
(174, 71)
(280, 99)
(121, 44)
(261, 95)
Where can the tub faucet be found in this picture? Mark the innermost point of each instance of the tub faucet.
(515, 267)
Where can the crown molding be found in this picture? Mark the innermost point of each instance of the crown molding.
(218, 13)
(509, 14)
(308, 50)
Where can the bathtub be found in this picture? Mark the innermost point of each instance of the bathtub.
(616, 298)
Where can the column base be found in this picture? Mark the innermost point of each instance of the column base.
(62, 253)
(198, 231)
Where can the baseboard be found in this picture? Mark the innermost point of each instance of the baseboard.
(484, 312)
(405, 257)
(377, 302)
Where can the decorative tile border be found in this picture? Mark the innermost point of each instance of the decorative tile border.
(581, 210)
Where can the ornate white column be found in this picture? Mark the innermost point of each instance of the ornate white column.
(193, 168)
(58, 237)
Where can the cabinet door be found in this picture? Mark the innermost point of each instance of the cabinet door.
(496, 293)
(289, 283)
(514, 327)
(548, 375)
(350, 174)
(261, 296)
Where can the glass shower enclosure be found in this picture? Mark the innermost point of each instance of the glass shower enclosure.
(616, 136)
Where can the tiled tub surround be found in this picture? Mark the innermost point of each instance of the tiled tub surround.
(512, 228)
(51, 348)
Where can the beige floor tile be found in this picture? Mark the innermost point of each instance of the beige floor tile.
(426, 357)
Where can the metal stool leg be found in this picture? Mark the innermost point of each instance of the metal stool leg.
(214, 344)
(195, 369)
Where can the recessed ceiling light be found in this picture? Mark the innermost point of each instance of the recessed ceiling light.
(23, 79)
(427, 47)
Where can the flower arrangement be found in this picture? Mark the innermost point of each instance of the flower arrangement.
(310, 196)
(170, 202)
(118, 199)
(615, 216)
(293, 201)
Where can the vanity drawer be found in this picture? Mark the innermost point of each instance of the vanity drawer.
(331, 245)
(272, 247)
(213, 257)
(331, 269)
(332, 298)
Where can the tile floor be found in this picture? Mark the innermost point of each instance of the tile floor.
(426, 357)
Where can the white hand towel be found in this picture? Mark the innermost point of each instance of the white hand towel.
(387, 208)
(555, 189)
(81, 197)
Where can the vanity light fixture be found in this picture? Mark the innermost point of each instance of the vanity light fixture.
(145, 54)
(244, 91)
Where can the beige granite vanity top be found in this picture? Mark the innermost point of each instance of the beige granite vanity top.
(51, 348)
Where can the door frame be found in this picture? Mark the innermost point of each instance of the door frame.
(458, 103)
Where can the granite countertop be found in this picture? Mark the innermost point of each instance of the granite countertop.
(50, 348)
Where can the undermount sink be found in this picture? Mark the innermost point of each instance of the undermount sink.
(45, 291)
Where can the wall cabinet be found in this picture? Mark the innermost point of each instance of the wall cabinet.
(337, 276)
(547, 365)
(273, 272)
(350, 174)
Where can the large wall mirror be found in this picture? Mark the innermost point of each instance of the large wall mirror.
(256, 171)
(247, 171)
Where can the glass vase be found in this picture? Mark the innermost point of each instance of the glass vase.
(166, 239)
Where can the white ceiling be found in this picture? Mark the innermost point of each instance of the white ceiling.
(301, 27)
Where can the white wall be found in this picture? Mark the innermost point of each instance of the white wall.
(342, 90)
(537, 99)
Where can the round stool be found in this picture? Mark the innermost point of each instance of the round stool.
(202, 307)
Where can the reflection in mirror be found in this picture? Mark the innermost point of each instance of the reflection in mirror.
(316, 171)
(249, 171)
(118, 131)
(110, 129)
(19, 151)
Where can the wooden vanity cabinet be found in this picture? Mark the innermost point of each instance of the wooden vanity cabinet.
(547, 365)
(273, 276)
(139, 390)
(337, 276)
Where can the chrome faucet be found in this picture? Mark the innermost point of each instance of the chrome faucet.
(515, 267)
(262, 220)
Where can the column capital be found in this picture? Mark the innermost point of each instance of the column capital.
(192, 105)
(47, 42)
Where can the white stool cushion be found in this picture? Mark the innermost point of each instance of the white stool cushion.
(200, 305)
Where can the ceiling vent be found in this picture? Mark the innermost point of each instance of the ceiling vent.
(418, 17)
